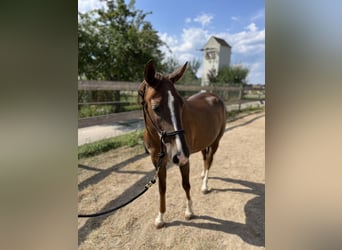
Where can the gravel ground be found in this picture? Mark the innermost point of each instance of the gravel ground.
(230, 216)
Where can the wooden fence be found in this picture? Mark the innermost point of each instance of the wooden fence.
(230, 95)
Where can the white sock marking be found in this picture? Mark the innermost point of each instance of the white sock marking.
(159, 220)
(188, 210)
(205, 181)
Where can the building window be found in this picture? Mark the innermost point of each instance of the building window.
(210, 55)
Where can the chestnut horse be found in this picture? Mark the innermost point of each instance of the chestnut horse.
(179, 128)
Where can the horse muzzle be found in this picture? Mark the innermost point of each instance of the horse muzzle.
(180, 159)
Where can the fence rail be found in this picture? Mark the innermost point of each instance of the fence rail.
(230, 95)
(133, 86)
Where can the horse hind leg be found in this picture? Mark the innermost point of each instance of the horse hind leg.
(205, 156)
(208, 156)
(185, 170)
(205, 171)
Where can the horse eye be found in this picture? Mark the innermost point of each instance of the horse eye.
(156, 108)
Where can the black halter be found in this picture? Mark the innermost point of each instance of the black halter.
(163, 134)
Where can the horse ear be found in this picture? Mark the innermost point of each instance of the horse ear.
(178, 73)
(149, 74)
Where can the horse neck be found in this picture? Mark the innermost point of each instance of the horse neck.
(180, 98)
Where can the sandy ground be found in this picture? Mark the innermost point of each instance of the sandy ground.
(230, 216)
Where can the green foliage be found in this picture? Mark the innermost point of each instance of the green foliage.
(233, 114)
(115, 43)
(131, 139)
(231, 75)
(189, 76)
(94, 110)
(212, 76)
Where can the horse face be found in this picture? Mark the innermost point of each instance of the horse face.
(165, 107)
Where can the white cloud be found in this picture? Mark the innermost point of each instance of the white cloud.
(256, 72)
(259, 15)
(235, 18)
(191, 40)
(169, 40)
(204, 19)
(87, 5)
(248, 46)
(188, 20)
(252, 27)
(246, 43)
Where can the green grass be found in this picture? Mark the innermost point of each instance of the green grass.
(95, 110)
(91, 149)
(234, 113)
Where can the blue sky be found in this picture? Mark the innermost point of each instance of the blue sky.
(186, 25)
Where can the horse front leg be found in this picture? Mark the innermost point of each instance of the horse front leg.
(159, 221)
(185, 170)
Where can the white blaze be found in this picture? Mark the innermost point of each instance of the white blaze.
(174, 121)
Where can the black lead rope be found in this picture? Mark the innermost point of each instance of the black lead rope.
(147, 186)
(113, 209)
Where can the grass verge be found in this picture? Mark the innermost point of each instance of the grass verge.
(236, 113)
(91, 149)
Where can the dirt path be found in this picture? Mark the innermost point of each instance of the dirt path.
(230, 216)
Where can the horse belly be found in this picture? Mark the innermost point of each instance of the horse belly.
(204, 120)
(204, 128)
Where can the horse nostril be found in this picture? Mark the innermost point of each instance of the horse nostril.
(175, 159)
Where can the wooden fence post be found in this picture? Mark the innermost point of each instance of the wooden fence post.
(240, 96)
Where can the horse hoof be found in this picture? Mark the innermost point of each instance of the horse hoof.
(205, 191)
(189, 216)
(159, 224)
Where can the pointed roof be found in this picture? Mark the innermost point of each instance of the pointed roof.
(221, 41)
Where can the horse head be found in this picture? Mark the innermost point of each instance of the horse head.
(164, 107)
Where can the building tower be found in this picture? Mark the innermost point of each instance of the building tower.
(216, 54)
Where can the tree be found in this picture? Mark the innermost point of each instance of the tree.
(189, 76)
(171, 64)
(212, 76)
(116, 42)
(232, 75)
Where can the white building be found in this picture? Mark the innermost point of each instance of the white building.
(216, 54)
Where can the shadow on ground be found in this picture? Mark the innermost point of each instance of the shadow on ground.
(96, 222)
(253, 231)
(245, 123)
